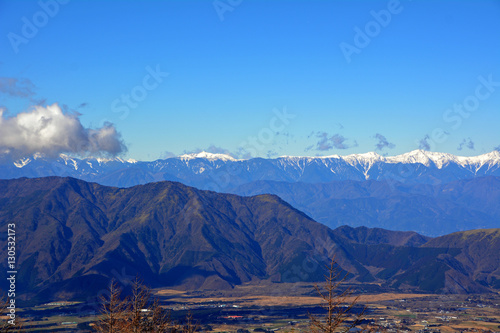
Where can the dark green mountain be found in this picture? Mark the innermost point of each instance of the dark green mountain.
(73, 236)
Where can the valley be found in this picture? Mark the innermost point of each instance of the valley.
(285, 308)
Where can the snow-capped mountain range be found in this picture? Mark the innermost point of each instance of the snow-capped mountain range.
(431, 193)
(221, 172)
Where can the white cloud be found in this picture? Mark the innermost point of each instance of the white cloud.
(49, 131)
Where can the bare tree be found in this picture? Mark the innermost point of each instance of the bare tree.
(333, 298)
(190, 326)
(5, 326)
(139, 306)
(137, 314)
(113, 311)
(160, 321)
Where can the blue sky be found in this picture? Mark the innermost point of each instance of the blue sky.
(420, 74)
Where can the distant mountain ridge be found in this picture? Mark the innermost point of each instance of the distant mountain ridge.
(73, 236)
(431, 210)
(221, 172)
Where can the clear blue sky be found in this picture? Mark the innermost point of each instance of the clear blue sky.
(233, 64)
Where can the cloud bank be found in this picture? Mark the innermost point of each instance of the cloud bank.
(49, 131)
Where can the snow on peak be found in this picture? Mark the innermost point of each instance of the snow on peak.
(22, 162)
(366, 158)
(208, 156)
(441, 159)
(489, 158)
(37, 155)
(426, 157)
(67, 159)
(119, 159)
(415, 156)
(104, 160)
(494, 155)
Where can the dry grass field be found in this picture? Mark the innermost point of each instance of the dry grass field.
(284, 308)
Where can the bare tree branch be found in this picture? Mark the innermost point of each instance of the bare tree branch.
(333, 298)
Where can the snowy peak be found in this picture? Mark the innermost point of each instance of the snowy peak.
(493, 156)
(67, 160)
(102, 160)
(22, 162)
(365, 159)
(208, 156)
(489, 160)
(221, 172)
(418, 156)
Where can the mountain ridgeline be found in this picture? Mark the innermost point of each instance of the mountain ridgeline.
(220, 172)
(73, 236)
(430, 193)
